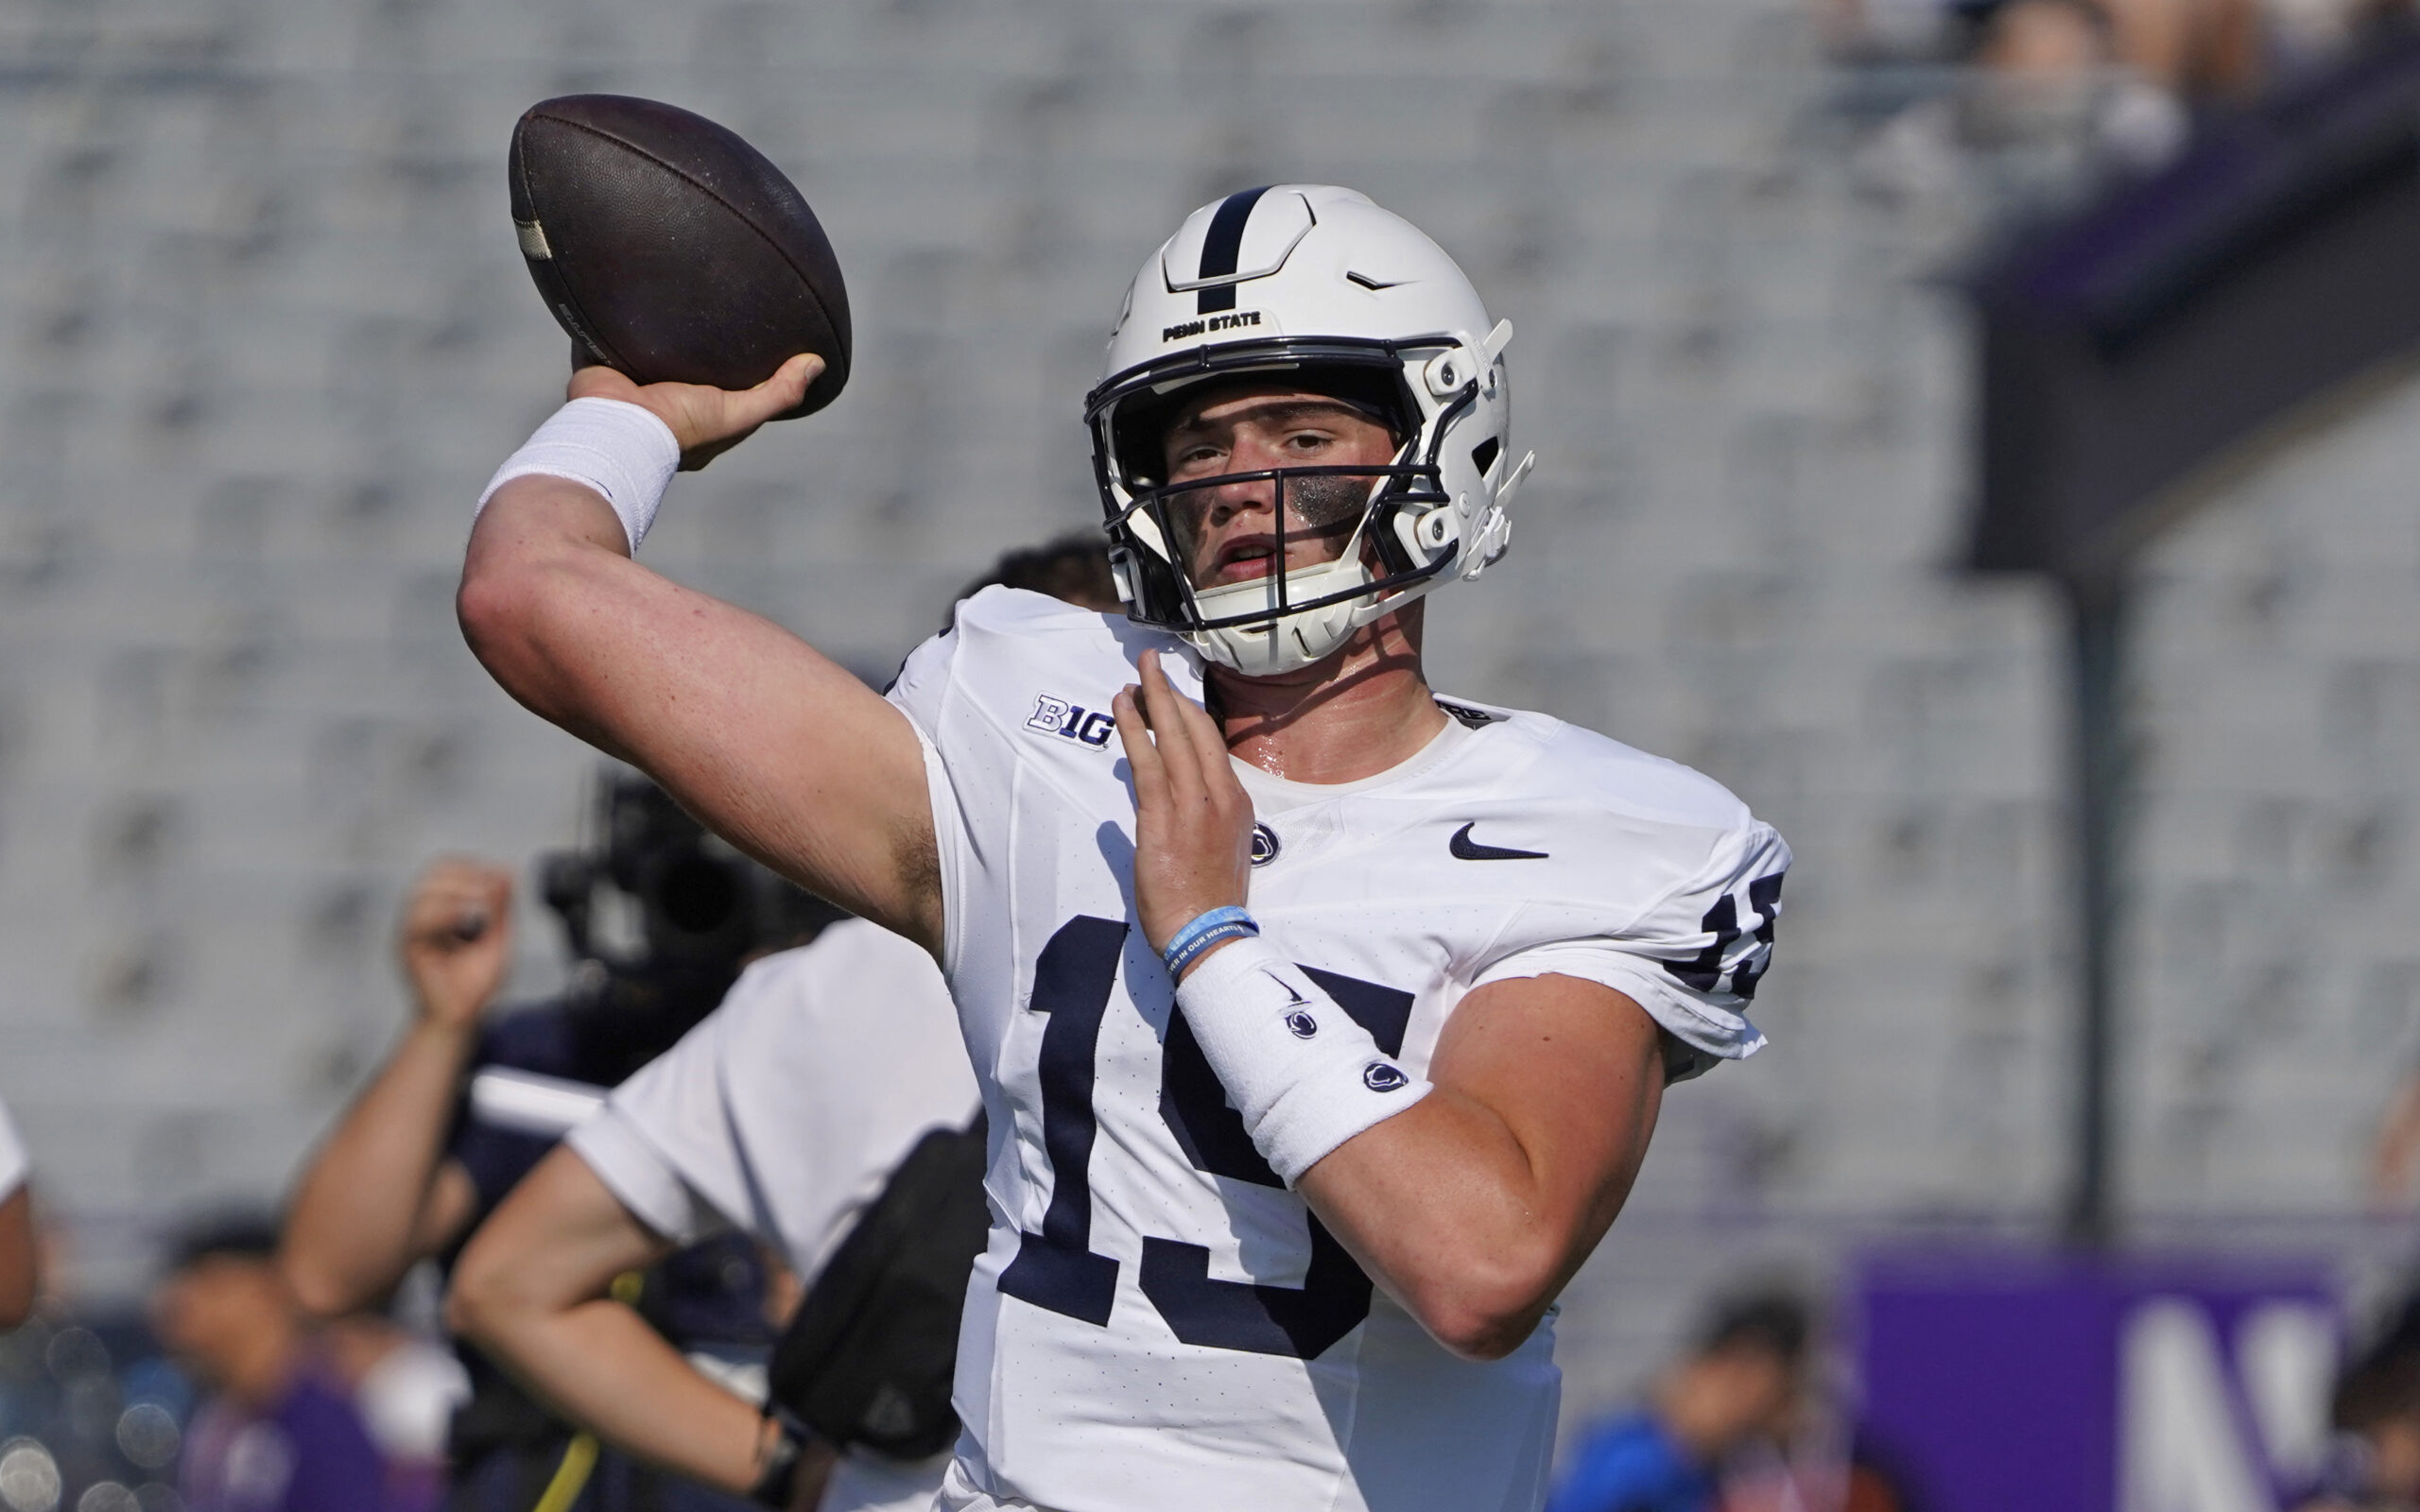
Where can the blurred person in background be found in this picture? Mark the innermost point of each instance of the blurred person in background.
(276, 1432)
(2376, 1412)
(1737, 1388)
(19, 1270)
(468, 1104)
(783, 1115)
(2200, 52)
(407, 1389)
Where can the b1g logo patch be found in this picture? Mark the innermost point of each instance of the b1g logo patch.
(1057, 716)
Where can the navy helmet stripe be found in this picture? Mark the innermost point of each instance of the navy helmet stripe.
(1221, 245)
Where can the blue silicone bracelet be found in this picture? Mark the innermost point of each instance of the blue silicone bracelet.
(1208, 929)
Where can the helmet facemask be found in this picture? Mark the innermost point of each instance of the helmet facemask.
(1391, 524)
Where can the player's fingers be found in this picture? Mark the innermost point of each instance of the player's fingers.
(1169, 734)
(1209, 745)
(752, 407)
(716, 419)
(1142, 757)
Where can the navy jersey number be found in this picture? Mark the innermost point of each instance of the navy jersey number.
(1057, 1269)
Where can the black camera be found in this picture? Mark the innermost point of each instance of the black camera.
(698, 902)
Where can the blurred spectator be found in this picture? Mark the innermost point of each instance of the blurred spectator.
(2066, 65)
(406, 1390)
(1736, 1390)
(276, 1434)
(2045, 109)
(2377, 1414)
(17, 1247)
(2201, 52)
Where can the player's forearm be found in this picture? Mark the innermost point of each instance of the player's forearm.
(18, 1269)
(358, 1217)
(1475, 1206)
(601, 1366)
(1441, 1206)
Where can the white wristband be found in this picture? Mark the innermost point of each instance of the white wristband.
(1305, 1077)
(619, 449)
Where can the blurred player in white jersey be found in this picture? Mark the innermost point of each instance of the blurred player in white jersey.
(1321, 1029)
(783, 1114)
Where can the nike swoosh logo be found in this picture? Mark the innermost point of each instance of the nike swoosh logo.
(1466, 849)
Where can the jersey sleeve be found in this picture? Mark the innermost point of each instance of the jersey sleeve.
(13, 1164)
(662, 1143)
(969, 691)
(923, 691)
(1693, 958)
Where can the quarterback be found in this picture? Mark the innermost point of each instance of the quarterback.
(1321, 1021)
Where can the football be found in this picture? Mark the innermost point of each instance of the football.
(671, 249)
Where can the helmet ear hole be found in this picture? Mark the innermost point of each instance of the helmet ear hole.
(1483, 455)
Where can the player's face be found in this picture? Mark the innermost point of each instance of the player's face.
(1227, 533)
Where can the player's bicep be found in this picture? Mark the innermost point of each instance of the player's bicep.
(792, 758)
(1574, 1070)
(771, 744)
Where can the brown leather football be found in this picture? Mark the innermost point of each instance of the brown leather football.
(671, 249)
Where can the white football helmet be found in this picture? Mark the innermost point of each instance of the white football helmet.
(1315, 284)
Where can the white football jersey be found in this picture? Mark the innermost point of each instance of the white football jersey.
(784, 1112)
(1158, 1321)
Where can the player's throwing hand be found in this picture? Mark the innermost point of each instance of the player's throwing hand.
(706, 422)
(1192, 818)
(457, 939)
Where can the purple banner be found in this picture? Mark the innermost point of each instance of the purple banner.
(2007, 1382)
